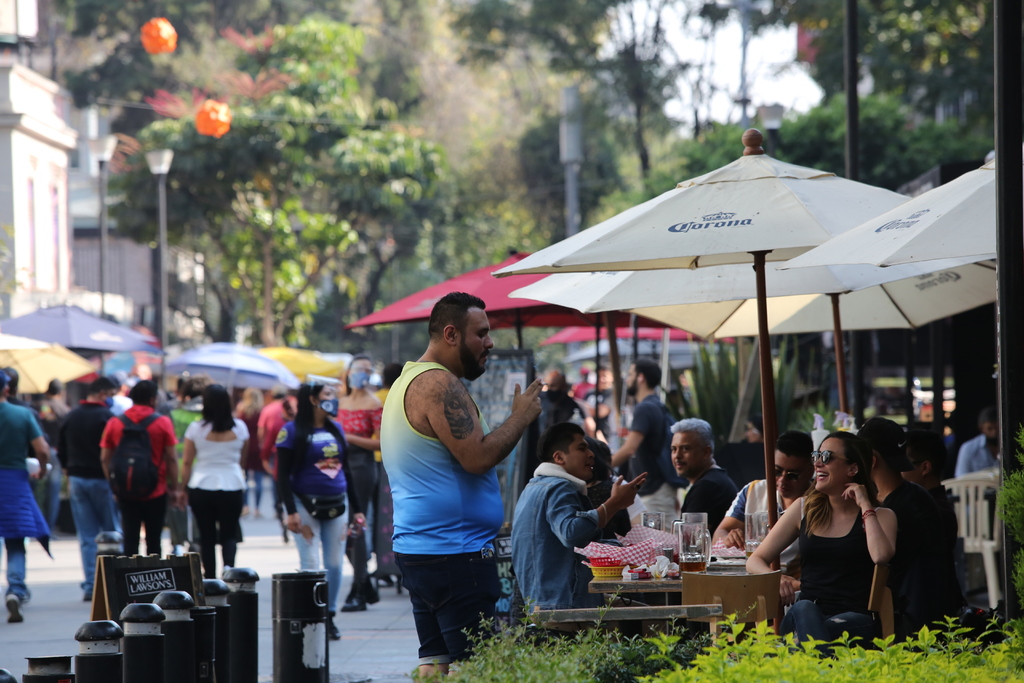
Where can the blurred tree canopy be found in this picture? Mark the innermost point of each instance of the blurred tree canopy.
(311, 183)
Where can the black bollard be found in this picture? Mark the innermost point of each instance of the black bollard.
(7, 677)
(204, 620)
(299, 615)
(180, 641)
(143, 643)
(109, 543)
(55, 669)
(244, 624)
(216, 592)
(98, 659)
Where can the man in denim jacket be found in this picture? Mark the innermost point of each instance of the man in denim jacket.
(554, 516)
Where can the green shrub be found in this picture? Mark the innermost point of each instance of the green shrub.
(526, 654)
(1010, 505)
(926, 658)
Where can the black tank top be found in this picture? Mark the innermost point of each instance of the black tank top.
(836, 573)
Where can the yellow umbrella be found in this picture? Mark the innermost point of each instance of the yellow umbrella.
(302, 362)
(38, 362)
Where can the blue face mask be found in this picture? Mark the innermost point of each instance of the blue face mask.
(109, 400)
(358, 380)
(330, 406)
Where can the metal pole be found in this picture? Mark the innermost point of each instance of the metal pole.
(103, 242)
(245, 611)
(908, 369)
(840, 349)
(204, 620)
(216, 592)
(744, 7)
(1009, 250)
(938, 375)
(143, 643)
(161, 184)
(179, 661)
(771, 428)
(850, 76)
(571, 155)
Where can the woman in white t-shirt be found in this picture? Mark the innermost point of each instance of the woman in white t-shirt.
(214, 477)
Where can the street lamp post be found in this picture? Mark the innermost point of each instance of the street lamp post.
(159, 162)
(102, 149)
(771, 118)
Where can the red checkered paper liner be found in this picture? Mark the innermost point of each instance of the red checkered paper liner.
(719, 550)
(641, 553)
(640, 534)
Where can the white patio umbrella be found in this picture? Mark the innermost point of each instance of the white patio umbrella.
(719, 302)
(752, 210)
(952, 220)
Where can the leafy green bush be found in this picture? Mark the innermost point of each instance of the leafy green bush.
(525, 654)
(1010, 504)
(930, 656)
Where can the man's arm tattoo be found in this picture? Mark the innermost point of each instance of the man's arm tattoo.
(457, 412)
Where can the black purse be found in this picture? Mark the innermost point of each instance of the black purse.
(323, 508)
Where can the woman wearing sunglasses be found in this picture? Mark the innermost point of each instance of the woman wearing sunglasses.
(843, 534)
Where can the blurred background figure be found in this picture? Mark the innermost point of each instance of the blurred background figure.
(53, 410)
(248, 411)
(272, 418)
(557, 404)
(755, 429)
(981, 452)
(359, 412)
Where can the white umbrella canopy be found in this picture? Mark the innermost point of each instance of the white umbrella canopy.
(756, 203)
(952, 220)
(902, 304)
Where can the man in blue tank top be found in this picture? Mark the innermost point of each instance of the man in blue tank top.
(440, 459)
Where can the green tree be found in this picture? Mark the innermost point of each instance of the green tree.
(307, 184)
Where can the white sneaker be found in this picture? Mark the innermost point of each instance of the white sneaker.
(14, 609)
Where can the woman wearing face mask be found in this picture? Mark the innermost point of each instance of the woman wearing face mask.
(313, 478)
(359, 412)
(843, 534)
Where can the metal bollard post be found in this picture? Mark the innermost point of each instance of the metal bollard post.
(98, 659)
(6, 676)
(300, 627)
(109, 543)
(180, 641)
(55, 669)
(216, 592)
(143, 643)
(245, 612)
(204, 620)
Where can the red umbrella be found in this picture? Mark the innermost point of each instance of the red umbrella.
(502, 311)
(586, 334)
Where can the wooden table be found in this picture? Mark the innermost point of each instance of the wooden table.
(661, 585)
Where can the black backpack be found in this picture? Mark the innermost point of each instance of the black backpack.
(133, 474)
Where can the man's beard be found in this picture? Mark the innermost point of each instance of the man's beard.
(471, 367)
(631, 389)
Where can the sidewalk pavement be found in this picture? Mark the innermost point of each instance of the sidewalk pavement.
(379, 644)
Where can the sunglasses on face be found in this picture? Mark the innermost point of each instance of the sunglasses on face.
(792, 475)
(824, 457)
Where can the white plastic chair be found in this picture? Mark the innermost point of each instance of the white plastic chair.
(978, 526)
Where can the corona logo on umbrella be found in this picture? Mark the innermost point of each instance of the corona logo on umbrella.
(159, 36)
(213, 118)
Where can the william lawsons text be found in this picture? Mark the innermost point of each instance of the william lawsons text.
(154, 581)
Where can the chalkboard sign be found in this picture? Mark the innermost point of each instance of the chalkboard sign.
(123, 580)
(384, 529)
(493, 392)
(503, 555)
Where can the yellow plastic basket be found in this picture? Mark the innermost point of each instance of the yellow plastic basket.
(608, 572)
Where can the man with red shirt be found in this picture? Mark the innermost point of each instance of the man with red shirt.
(274, 416)
(151, 511)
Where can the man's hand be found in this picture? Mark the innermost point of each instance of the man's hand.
(624, 493)
(527, 402)
(734, 539)
(788, 587)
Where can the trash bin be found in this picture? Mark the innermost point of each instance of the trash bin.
(299, 609)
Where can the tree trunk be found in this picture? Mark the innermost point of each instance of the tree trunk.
(267, 333)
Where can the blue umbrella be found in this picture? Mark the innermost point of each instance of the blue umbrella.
(73, 328)
(233, 365)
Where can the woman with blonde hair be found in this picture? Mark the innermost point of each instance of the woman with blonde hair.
(843, 534)
(248, 411)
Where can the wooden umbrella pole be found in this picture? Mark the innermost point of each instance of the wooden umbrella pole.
(616, 364)
(840, 348)
(768, 412)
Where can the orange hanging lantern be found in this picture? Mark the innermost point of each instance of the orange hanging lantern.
(213, 118)
(159, 36)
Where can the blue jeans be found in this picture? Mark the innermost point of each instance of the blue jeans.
(94, 510)
(330, 535)
(256, 487)
(806, 620)
(16, 568)
(450, 594)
